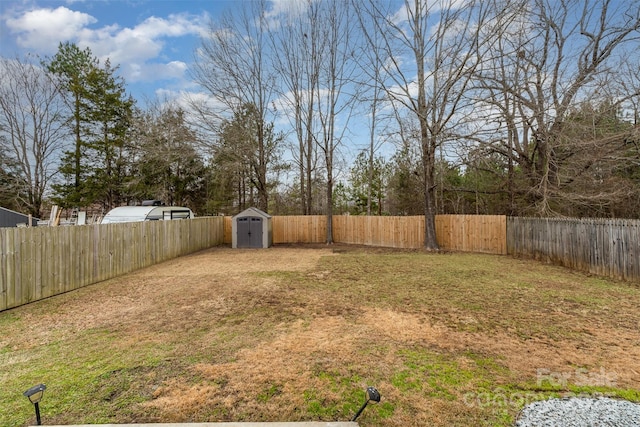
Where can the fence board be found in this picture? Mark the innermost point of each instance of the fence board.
(472, 233)
(299, 229)
(387, 231)
(607, 247)
(39, 262)
(227, 230)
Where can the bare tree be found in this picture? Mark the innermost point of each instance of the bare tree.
(429, 51)
(337, 74)
(546, 63)
(373, 94)
(32, 128)
(232, 65)
(296, 47)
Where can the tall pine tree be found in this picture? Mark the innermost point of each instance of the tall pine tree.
(108, 127)
(72, 67)
(100, 115)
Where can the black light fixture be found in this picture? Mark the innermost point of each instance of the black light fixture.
(372, 396)
(35, 394)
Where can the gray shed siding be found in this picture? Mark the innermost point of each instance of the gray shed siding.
(9, 218)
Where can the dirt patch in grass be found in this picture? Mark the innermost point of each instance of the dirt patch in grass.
(296, 333)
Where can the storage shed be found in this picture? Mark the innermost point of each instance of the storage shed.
(9, 218)
(146, 213)
(251, 228)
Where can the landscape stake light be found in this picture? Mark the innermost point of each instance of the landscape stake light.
(35, 395)
(372, 396)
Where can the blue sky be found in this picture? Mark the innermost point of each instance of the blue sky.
(151, 40)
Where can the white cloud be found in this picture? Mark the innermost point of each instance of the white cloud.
(43, 29)
(400, 16)
(281, 12)
(427, 8)
(186, 100)
(139, 50)
(137, 47)
(287, 7)
(176, 25)
(135, 72)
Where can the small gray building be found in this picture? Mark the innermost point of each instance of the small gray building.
(251, 228)
(9, 218)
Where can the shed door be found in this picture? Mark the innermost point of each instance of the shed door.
(249, 231)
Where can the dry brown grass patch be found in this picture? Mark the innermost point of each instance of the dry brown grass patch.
(296, 333)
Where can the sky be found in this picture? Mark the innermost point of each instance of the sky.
(152, 41)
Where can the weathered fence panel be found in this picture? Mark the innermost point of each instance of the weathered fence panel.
(40, 262)
(607, 247)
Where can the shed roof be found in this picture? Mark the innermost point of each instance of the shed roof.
(252, 212)
(13, 212)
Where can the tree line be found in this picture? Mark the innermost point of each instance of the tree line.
(414, 107)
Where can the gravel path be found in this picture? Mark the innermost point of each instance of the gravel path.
(580, 412)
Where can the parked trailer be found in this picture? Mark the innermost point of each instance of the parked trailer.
(146, 213)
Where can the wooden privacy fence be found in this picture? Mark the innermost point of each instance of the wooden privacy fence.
(39, 262)
(470, 233)
(299, 229)
(608, 247)
(390, 231)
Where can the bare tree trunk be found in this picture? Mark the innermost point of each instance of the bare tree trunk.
(427, 142)
(428, 164)
(372, 141)
(336, 72)
(309, 157)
